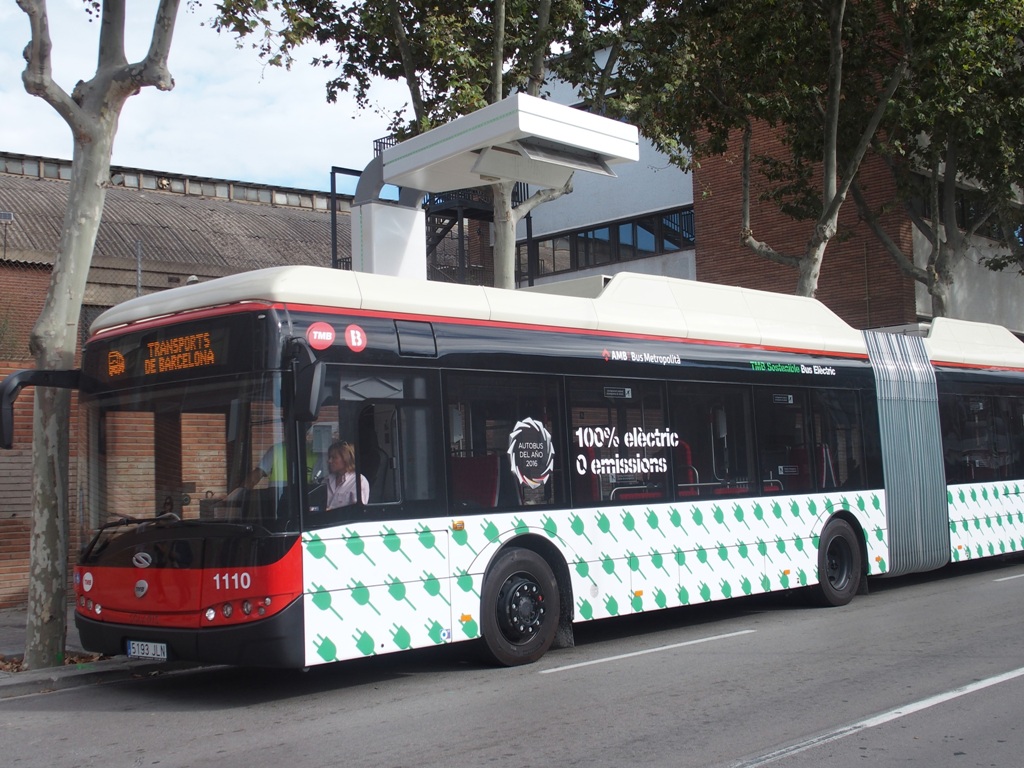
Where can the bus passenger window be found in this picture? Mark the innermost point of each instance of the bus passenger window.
(785, 457)
(838, 440)
(714, 454)
(979, 440)
(384, 421)
(502, 441)
(1012, 409)
(620, 440)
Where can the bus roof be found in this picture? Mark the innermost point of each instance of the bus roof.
(626, 303)
(964, 343)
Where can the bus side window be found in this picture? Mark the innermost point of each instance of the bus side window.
(786, 458)
(621, 441)
(714, 456)
(838, 441)
(1015, 425)
(503, 441)
(982, 437)
(388, 417)
(949, 423)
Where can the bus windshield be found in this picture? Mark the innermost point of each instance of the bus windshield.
(213, 450)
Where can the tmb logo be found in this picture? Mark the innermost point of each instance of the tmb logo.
(320, 335)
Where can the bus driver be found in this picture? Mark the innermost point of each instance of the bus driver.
(341, 480)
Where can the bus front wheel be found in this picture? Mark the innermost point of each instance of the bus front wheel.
(520, 606)
(839, 563)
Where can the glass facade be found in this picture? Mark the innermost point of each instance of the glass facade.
(651, 235)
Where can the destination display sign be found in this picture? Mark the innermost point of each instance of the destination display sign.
(173, 352)
(193, 350)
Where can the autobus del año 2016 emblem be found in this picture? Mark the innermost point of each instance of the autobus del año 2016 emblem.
(531, 452)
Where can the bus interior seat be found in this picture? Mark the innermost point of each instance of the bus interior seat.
(687, 476)
(475, 480)
(637, 493)
(799, 478)
(510, 494)
(731, 490)
(587, 487)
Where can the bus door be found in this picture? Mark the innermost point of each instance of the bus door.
(785, 457)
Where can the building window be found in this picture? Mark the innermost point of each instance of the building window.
(621, 241)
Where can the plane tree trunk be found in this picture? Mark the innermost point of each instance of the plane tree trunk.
(91, 111)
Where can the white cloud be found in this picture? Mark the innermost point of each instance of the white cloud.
(229, 116)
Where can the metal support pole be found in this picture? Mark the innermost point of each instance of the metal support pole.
(334, 219)
(138, 267)
(6, 218)
(462, 269)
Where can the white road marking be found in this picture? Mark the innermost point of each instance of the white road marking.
(882, 719)
(1010, 578)
(659, 649)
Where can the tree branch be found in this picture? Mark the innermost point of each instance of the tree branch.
(835, 69)
(540, 55)
(539, 197)
(865, 140)
(38, 74)
(111, 48)
(614, 51)
(904, 263)
(746, 233)
(408, 70)
(153, 69)
(498, 52)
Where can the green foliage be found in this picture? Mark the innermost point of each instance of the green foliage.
(693, 75)
(961, 118)
(443, 49)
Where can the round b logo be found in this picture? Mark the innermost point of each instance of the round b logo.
(355, 337)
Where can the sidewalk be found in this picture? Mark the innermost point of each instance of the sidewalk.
(12, 632)
(12, 644)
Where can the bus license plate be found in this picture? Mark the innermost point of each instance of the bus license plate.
(138, 649)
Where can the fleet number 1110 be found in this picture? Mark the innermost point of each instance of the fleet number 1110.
(234, 580)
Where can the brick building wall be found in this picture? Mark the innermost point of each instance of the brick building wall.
(15, 507)
(23, 286)
(859, 281)
(16, 496)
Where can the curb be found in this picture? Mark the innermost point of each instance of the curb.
(14, 684)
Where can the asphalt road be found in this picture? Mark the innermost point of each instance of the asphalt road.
(926, 671)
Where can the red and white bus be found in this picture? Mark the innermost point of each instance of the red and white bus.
(523, 460)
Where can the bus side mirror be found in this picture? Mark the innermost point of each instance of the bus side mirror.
(11, 386)
(308, 376)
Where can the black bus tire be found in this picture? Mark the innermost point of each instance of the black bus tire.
(839, 563)
(519, 607)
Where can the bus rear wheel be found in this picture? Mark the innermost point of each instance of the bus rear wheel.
(839, 564)
(520, 606)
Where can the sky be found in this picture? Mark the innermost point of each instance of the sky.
(228, 116)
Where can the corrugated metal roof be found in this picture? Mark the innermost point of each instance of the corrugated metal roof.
(182, 229)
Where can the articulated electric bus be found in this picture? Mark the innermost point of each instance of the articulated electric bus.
(298, 465)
